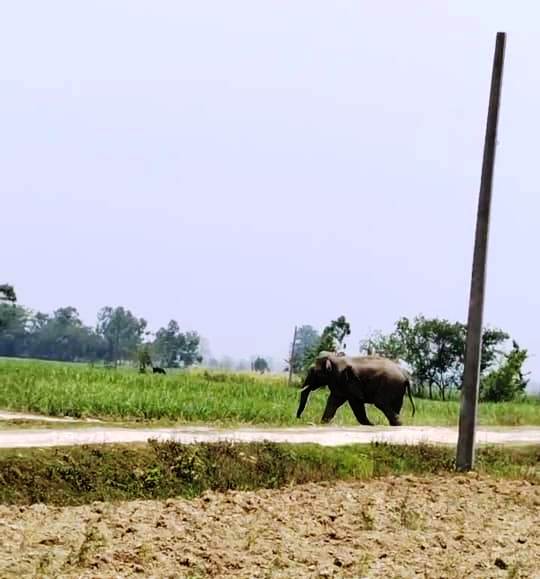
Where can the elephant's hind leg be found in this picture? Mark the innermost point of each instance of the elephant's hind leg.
(398, 404)
(332, 404)
(359, 411)
(392, 417)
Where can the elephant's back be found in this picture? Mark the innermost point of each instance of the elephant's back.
(380, 367)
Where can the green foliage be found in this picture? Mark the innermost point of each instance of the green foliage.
(118, 337)
(506, 382)
(332, 340)
(145, 360)
(307, 339)
(435, 350)
(82, 475)
(189, 349)
(166, 344)
(13, 329)
(63, 336)
(122, 331)
(175, 348)
(334, 334)
(260, 365)
(7, 293)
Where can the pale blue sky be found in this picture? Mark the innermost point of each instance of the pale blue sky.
(245, 166)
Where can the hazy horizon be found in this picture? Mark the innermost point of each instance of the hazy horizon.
(245, 167)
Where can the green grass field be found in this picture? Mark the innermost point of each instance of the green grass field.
(201, 397)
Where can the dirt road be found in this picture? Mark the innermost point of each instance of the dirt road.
(324, 435)
(9, 416)
(431, 527)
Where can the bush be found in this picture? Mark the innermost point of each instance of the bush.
(506, 382)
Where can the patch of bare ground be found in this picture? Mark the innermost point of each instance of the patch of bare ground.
(432, 527)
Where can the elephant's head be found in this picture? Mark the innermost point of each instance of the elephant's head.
(323, 372)
(312, 381)
(330, 365)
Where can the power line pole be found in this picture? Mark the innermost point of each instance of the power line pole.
(291, 360)
(471, 374)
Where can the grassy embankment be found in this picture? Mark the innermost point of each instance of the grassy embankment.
(79, 475)
(77, 390)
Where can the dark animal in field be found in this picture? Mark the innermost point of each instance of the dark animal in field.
(358, 380)
(158, 370)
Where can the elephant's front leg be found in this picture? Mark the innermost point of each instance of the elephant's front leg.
(332, 404)
(359, 411)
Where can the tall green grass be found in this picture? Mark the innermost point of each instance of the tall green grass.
(204, 397)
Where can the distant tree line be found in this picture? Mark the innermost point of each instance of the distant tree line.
(253, 364)
(432, 348)
(434, 351)
(118, 336)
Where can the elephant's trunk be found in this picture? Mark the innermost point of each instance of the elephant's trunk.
(304, 395)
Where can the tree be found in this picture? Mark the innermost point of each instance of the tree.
(332, 340)
(166, 345)
(435, 350)
(492, 352)
(260, 365)
(7, 293)
(63, 336)
(189, 349)
(307, 339)
(13, 330)
(432, 347)
(122, 331)
(144, 357)
(507, 382)
(175, 348)
(334, 334)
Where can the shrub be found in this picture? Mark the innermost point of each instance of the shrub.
(506, 382)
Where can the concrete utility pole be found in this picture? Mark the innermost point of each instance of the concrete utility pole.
(291, 360)
(473, 347)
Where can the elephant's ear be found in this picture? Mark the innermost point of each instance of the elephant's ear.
(323, 363)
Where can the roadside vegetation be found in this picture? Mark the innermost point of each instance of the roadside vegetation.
(202, 396)
(79, 475)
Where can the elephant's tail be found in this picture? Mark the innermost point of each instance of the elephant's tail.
(408, 386)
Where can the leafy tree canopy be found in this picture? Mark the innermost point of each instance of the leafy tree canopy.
(332, 340)
(7, 293)
(175, 348)
(260, 365)
(307, 339)
(122, 331)
(435, 350)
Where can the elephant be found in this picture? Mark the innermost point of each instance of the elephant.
(158, 370)
(358, 380)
